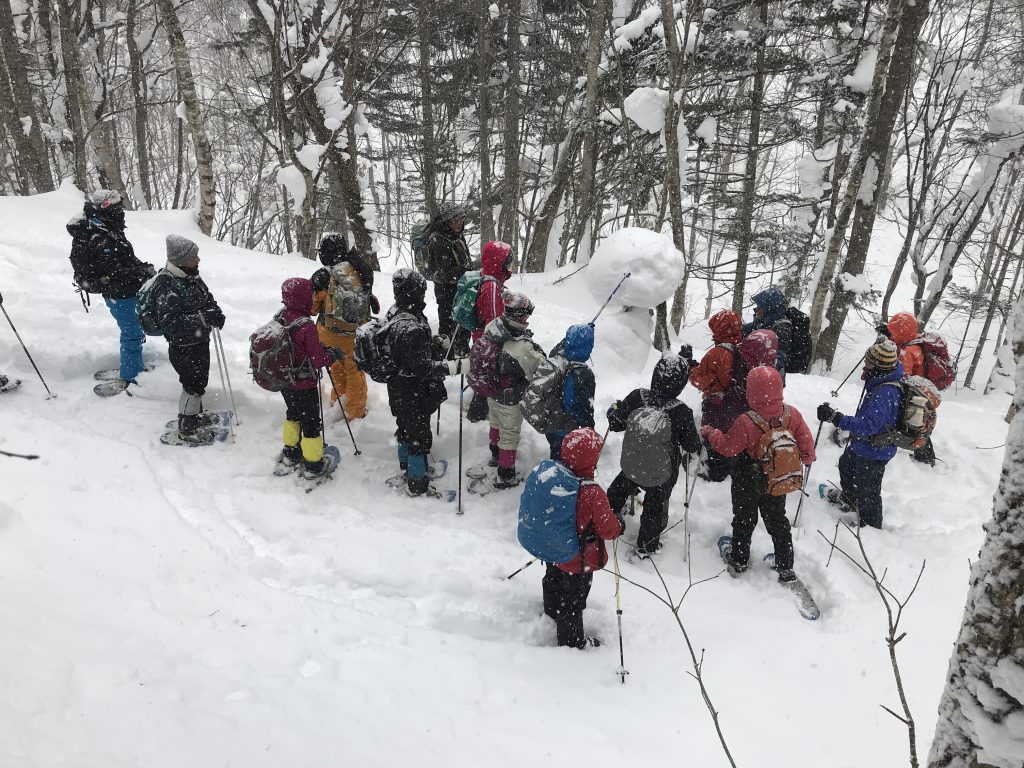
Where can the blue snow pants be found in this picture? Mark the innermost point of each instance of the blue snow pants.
(132, 336)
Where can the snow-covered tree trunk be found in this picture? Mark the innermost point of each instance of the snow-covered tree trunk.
(139, 86)
(427, 110)
(200, 141)
(483, 115)
(981, 714)
(509, 227)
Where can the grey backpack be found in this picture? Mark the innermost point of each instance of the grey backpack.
(647, 447)
(542, 403)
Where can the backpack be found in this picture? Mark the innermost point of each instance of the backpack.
(145, 306)
(419, 237)
(349, 304)
(542, 402)
(547, 513)
(778, 454)
(799, 359)
(372, 351)
(938, 368)
(272, 355)
(466, 293)
(647, 447)
(919, 399)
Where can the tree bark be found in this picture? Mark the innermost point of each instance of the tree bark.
(509, 227)
(139, 88)
(875, 146)
(483, 112)
(427, 108)
(197, 128)
(982, 707)
(537, 251)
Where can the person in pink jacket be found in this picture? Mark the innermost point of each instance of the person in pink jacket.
(749, 481)
(496, 267)
(303, 430)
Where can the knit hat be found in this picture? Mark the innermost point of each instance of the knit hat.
(180, 250)
(449, 211)
(518, 307)
(106, 198)
(881, 357)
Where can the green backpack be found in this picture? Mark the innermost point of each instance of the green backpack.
(466, 292)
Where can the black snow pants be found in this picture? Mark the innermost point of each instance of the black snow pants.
(565, 597)
(749, 496)
(654, 518)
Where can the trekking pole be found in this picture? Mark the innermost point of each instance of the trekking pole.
(223, 385)
(686, 511)
(608, 301)
(621, 671)
(807, 477)
(448, 356)
(835, 392)
(48, 392)
(516, 573)
(227, 373)
(344, 415)
(462, 396)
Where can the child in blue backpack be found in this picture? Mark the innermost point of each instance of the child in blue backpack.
(578, 386)
(862, 465)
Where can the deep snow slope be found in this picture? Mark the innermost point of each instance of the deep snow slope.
(176, 607)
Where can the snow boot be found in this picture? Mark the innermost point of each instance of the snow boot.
(493, 461)
(290, 455)
(188, 426)
(642, 553)
(313, 464)
(787, 576)
(735, 569)
(507, 478)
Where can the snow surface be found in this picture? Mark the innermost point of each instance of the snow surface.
(170, 607)
(654, 265)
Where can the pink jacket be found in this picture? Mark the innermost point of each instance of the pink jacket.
(297, 295)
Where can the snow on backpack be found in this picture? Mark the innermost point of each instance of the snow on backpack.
(919, 399)
(419, 237)
(145, 306)
(799, 358)
(466, 292)
(938, 368)
(779, 454)
(373, 352)
(542, 402)
(272, 355)
(347, 301)
(547, 513)
(647, 447)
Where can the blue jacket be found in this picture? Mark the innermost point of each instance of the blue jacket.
(879, 410)
(772, 302)
(579, 386)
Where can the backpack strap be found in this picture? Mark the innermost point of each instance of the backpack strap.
(759, 422)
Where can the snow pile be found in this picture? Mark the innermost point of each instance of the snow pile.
(646, 107)
(654, 265)
(864, 73)
(855, 283)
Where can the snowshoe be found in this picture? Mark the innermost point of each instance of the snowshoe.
(331, 460)
(486, 485)
(209, 419)
(788, 580)
(481, 471)
(434, 471)
(201, 437)
(114, 387)
(431, 492)
(725, 550)
(112, 374)
(6, 384)
(642, 553)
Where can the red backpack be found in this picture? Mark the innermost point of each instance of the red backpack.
(272, 355)
(938, 368)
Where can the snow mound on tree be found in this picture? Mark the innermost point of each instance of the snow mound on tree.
(654, 264)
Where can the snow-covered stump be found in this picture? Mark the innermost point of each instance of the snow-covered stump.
(981, 714)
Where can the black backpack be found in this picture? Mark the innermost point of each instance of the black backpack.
(372, 351)
(799, 359)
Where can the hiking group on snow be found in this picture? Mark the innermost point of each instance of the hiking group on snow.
(747, 432)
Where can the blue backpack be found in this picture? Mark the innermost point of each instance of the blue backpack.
(547, 513)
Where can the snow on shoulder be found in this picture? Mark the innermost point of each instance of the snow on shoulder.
(654, 264)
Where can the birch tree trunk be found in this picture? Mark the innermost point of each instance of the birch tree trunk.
(509, 228)
(138, 82)
(427, 108)
(197, 129)
(483, 112)
(981, 714)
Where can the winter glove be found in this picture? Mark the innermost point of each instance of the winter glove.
(686, 352)
(214, 317)
(706, 431)
(458, 365)
(374, 305)
(825, 412)
(836, 418)
(335, 354)
(883, 330)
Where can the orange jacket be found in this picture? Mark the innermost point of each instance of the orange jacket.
(903, 329)
(714, 374)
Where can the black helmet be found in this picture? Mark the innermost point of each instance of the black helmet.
(107, 205)
(333, 248)
(409, 287)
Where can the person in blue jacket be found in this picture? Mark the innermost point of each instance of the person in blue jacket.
(770, 314)
(579, 385)
(862, 465)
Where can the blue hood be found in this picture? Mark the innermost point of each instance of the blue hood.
(579, 343)
(771, 302)
(872, 382)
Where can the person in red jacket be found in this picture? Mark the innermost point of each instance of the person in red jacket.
(749, 483)
(713, 376)
(567, 585)
(903, 329)
(303, 430)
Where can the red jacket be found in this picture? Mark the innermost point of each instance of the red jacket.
(580, 451)
(903, 329)
(714, 374)
(297, 295)
(489, 302)
(764, 394)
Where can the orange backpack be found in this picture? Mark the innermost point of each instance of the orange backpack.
(779, 455)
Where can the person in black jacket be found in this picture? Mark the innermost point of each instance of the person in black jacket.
(770, 314)
(669, 378)
(186, 312)
(417, 390)
(449, 260)
(104, 262)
